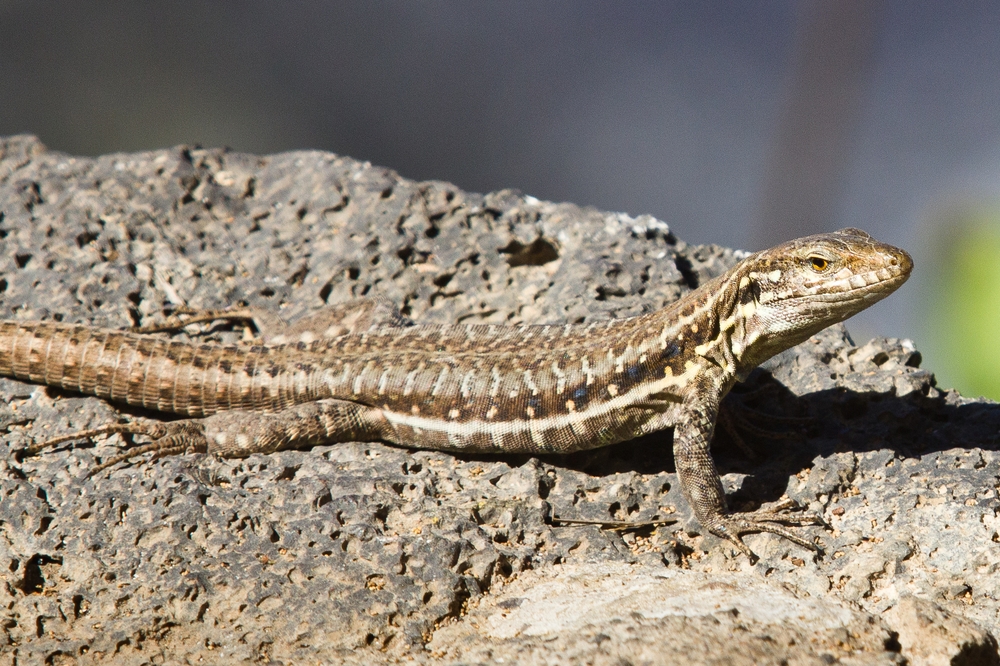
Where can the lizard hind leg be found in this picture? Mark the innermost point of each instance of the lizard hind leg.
(167, 439)
(150, 429)
(169, 445)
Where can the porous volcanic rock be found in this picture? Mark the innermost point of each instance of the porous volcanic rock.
(364, 553)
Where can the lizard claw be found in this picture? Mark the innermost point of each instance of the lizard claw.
(731, 526)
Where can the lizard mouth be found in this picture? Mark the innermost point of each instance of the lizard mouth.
(868, 287)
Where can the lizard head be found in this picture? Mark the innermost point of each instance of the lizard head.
(794, 290)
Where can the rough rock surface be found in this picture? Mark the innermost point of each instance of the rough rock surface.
(363, 553)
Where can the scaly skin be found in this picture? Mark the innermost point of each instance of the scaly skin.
(480, 388)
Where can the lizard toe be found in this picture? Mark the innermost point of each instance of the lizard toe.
(169, 439)
(732, 526)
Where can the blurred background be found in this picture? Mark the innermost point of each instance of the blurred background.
(741, 124)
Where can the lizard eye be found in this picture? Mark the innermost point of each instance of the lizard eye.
(819, 264)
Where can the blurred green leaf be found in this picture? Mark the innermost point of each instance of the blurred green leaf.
(964, 319)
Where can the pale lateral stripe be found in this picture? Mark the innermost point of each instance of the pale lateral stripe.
(496, 428)
(537, 436)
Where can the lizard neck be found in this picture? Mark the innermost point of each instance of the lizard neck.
(714, 327)
(703, 334)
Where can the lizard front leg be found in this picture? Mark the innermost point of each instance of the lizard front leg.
(702, 487)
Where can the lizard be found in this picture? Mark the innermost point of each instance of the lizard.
(479, 388)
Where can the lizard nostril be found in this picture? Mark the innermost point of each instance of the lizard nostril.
(894, 262)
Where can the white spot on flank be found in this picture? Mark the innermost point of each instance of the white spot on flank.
(530, 383)
(414, 410)
(774, 275)
(466, 386)
(613, 389)
(701, 350)
(440, 380)
(560, 378)
(570, 406)
(495, 386)
(530, 411)
(454, 414)
(585, 367)
(491, 412)
(408, 384)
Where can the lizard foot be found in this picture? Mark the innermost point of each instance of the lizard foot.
(183, 316)
(731, 526)
(170, 438)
